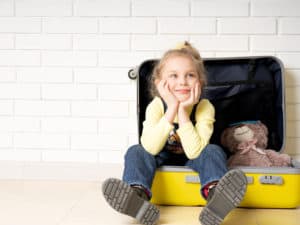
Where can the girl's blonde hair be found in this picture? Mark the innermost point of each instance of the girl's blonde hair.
(186, 50)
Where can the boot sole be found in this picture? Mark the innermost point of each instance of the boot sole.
(228, 194)
(122, 198)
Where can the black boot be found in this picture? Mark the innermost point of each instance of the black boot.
(140, 191)
(224, 197)
(131, 201)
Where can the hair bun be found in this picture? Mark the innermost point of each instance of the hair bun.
(182, 45)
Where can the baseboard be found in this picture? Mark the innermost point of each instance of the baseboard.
(58, 171)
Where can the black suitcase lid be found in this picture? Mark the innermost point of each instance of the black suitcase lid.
(241, 89)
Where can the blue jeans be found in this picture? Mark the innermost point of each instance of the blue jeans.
(140, 166)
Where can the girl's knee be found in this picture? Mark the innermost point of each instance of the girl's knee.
(136, 151)
(212, 150)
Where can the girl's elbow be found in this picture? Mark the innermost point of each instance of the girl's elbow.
(149, 148)
(193, 155)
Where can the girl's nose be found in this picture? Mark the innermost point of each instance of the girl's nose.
(183, 80)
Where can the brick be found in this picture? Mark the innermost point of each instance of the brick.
(292, 94)
(117, 92)
(186, 26)
(69, 58)
(289, 25)
(118, 126)
(7, 74)
(68, 125)
(242, 54)
(133, 140)
(43, 41)
(19, 124)
(128, 25)
(292, 146)
(102, 8)
(98, 142)
(293, 112)
(160, 8)
(133, 109)
(41, 108)
(275, 8)
(116, 157)
(123, 59)
(292, 78)
(247, 26)
(6, 107)
(7, 41)
(293, 128)
(101, 42)
(220, 43)
(70, 156)
(69, 92)
(41, 141)
(290, 60)
(20, 155)
(44, 75)
(20, 25)
(70, 25)
(275, 43)
(156, 42)
(101, 109)
(99, 75)
(6, 141)
(19, 91)
(19, 58)
(216, 8)
(43, 8)
(6, 7)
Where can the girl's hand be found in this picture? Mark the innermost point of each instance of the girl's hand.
(194, 97)
(164, 91)
(171, 101)
(183, 116)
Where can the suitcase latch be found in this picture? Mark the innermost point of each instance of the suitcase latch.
(270, 179)
(192, 179)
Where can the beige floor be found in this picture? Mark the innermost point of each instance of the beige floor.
(81, 203)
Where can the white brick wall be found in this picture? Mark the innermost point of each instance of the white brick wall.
(65, 98)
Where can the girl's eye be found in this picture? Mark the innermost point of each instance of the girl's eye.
(173, 75)
(191, 75)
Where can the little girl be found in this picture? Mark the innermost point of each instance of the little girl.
(176, 131)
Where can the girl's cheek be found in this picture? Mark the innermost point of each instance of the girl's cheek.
(156, 81)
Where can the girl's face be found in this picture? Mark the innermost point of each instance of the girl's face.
(181, 75)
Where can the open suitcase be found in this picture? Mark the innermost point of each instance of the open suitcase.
(249, 88)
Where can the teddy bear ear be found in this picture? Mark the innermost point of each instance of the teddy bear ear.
(264, 128)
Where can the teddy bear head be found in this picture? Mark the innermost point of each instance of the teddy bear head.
(244, 132)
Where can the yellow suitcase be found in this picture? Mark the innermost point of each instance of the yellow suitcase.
(241, 88)
(267, 187)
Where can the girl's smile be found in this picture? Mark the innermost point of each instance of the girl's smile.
(181, 76)
(183, 91)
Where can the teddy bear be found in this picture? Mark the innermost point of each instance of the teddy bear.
(247, 141)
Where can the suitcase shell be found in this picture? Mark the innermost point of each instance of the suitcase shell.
(259, 83)
(267, 187)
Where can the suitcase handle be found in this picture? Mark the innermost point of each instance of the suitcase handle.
(270, 179)
(192, 179)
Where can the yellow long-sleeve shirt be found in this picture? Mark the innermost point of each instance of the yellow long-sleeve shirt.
(194, 138)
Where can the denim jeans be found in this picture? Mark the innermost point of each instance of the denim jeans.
(140, 166)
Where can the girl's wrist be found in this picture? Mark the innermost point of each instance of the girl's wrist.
(171, 113)
(183, 116)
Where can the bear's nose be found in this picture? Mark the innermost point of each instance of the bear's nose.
(243, 133)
